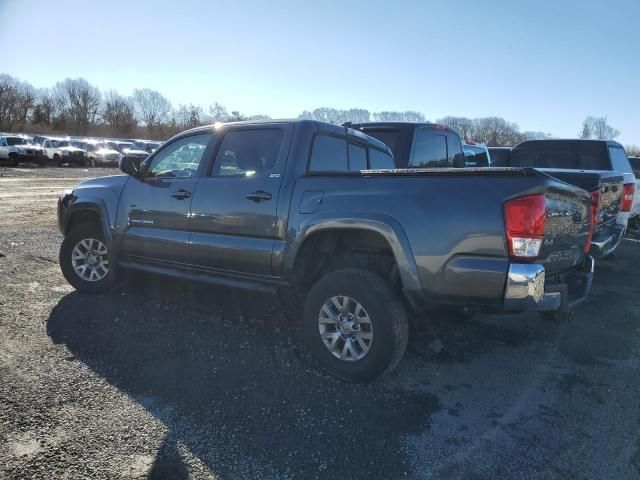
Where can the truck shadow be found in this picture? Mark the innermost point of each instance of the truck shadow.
(223, 371)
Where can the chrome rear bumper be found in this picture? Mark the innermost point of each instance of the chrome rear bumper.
(527, 288)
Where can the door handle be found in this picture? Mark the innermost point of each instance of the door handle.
(258, 196)
(181, 194)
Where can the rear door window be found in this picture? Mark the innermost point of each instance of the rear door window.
(380, 160)
(329, 154)
(388, 136)
(619, 160)
(429, 149)
(357, 157)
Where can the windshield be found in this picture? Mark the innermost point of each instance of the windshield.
(16, 141)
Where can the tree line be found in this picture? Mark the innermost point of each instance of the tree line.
(76, 107)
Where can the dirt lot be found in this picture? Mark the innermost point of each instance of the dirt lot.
(174, 380)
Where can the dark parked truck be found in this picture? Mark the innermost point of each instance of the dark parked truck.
(418, 144)
(317, 212)
(598, 166)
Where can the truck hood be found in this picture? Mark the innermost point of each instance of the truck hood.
(134, 151)
(70, 149)
(114, 183)
(22, 148)
(106, 151)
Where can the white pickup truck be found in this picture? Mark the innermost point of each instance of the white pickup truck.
(16, 149)
(61, 151)
(98, 153)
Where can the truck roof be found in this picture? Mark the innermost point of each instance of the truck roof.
(317, 125)
(568, 141)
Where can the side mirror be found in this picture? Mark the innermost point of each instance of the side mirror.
(130, 166)
(459, 160)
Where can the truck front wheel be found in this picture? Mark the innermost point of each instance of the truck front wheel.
(355, 325)
(85, 261)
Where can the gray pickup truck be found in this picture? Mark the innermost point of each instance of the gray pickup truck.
(317, 212)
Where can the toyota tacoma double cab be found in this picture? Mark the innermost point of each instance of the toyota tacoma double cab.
(318, 213)
(418, 144)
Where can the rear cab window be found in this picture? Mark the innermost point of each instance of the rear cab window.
(336, 154)
(635, 165)
(576, 155)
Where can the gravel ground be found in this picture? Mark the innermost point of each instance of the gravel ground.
(175, 380)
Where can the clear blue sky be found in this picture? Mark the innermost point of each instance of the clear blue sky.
(542, 64)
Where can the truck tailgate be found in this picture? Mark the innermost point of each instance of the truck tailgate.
(610, 186)
(567, 227)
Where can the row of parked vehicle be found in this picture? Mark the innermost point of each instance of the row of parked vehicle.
(358, 225)
(42, 150)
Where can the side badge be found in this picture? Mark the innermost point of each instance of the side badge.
(274, 175)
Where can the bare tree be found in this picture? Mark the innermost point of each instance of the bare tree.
(464, 126)
(632, 150)
(151, 108)
(406, 116)
(118, 112)
(78, 102)
(497, 132)
(337, 116)
(44, 111)
(531, 135)
(189, 116)
(17, 100)
(598, 128)
(259, 117)
(217, 113)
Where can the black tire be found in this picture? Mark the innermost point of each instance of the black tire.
(72, 239)
(57, 160)
(13, 160)
(388, 321)
(92, 162)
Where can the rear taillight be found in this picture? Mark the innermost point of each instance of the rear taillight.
(627, 197)
(595, 209)
(524, 220)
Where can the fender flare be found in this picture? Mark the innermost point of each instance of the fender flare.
(386, 226)
(96, 205)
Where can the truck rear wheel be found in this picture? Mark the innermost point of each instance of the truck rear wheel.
(85, 261)
(355, 325)
(57, 160)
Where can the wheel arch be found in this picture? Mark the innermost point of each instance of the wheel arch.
(92, 212)
(382, 227)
